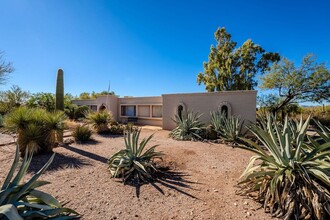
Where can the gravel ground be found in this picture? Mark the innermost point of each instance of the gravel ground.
(202, 184)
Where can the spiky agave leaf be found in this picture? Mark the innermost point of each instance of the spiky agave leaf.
(134, 161)
(291, 182)
(22, 199)
(188, 126)
(227, 128)
(231, 129)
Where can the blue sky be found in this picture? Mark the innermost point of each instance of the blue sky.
(146, 47)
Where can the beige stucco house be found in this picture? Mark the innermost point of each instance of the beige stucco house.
(160, 110)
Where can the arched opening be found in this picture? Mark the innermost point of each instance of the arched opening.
(224, 110)
(180, 110)
(102, 108)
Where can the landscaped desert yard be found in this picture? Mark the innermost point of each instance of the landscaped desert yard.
(201, 183)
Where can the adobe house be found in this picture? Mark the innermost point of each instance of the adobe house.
(160, 110)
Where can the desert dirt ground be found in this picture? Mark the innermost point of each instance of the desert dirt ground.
(202, 183)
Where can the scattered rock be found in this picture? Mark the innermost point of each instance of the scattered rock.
(68, 141)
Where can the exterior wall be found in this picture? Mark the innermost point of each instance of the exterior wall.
(111, 104)
(241, 103)
(141, 104)
(84, 102)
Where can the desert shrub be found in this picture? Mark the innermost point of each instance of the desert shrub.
(75, 112)
(37, 129)
(130, 128)
(120, 129)
(188, 126)
(319, 113)
(117, 129)
(228, 128)
(20, 201)
(82, 133)
(100, 121)
(1, 120)
(208, 133)
(290, 181)
(134, 161)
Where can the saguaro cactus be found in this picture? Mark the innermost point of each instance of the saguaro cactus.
(59, 99)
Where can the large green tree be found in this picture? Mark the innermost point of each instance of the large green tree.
(5, 69)
(46, 100)
(12, 98)
(231, 68)
(309, 82)
(94, 95)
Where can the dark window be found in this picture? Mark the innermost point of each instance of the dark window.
(180, 110)
(224, 110)
(128, 110)
(93, 108)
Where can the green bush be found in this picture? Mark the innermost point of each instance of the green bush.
(37, 129)
(286, 175)
(120, 129)
(117, 129)
(1, 121)
(75, 112)
(82, 133)
(188, 127)
(20, 201)
(100, 121)
(133, 161)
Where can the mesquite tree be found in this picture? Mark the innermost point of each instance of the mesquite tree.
(309, 82)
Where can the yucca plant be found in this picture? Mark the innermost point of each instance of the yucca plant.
(291, 182)
(188, 126)
(134, 161)
(100, 120)
(37, 129)
(53, 124)
(82, 133)
(20, 201)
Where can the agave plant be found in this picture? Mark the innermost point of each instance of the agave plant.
(100, 120)
(232, 129)
(134, 161)
(20, 201)
(291, 182)
(228, 128)
(188, 126)
(323, 131)
(217, 121)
